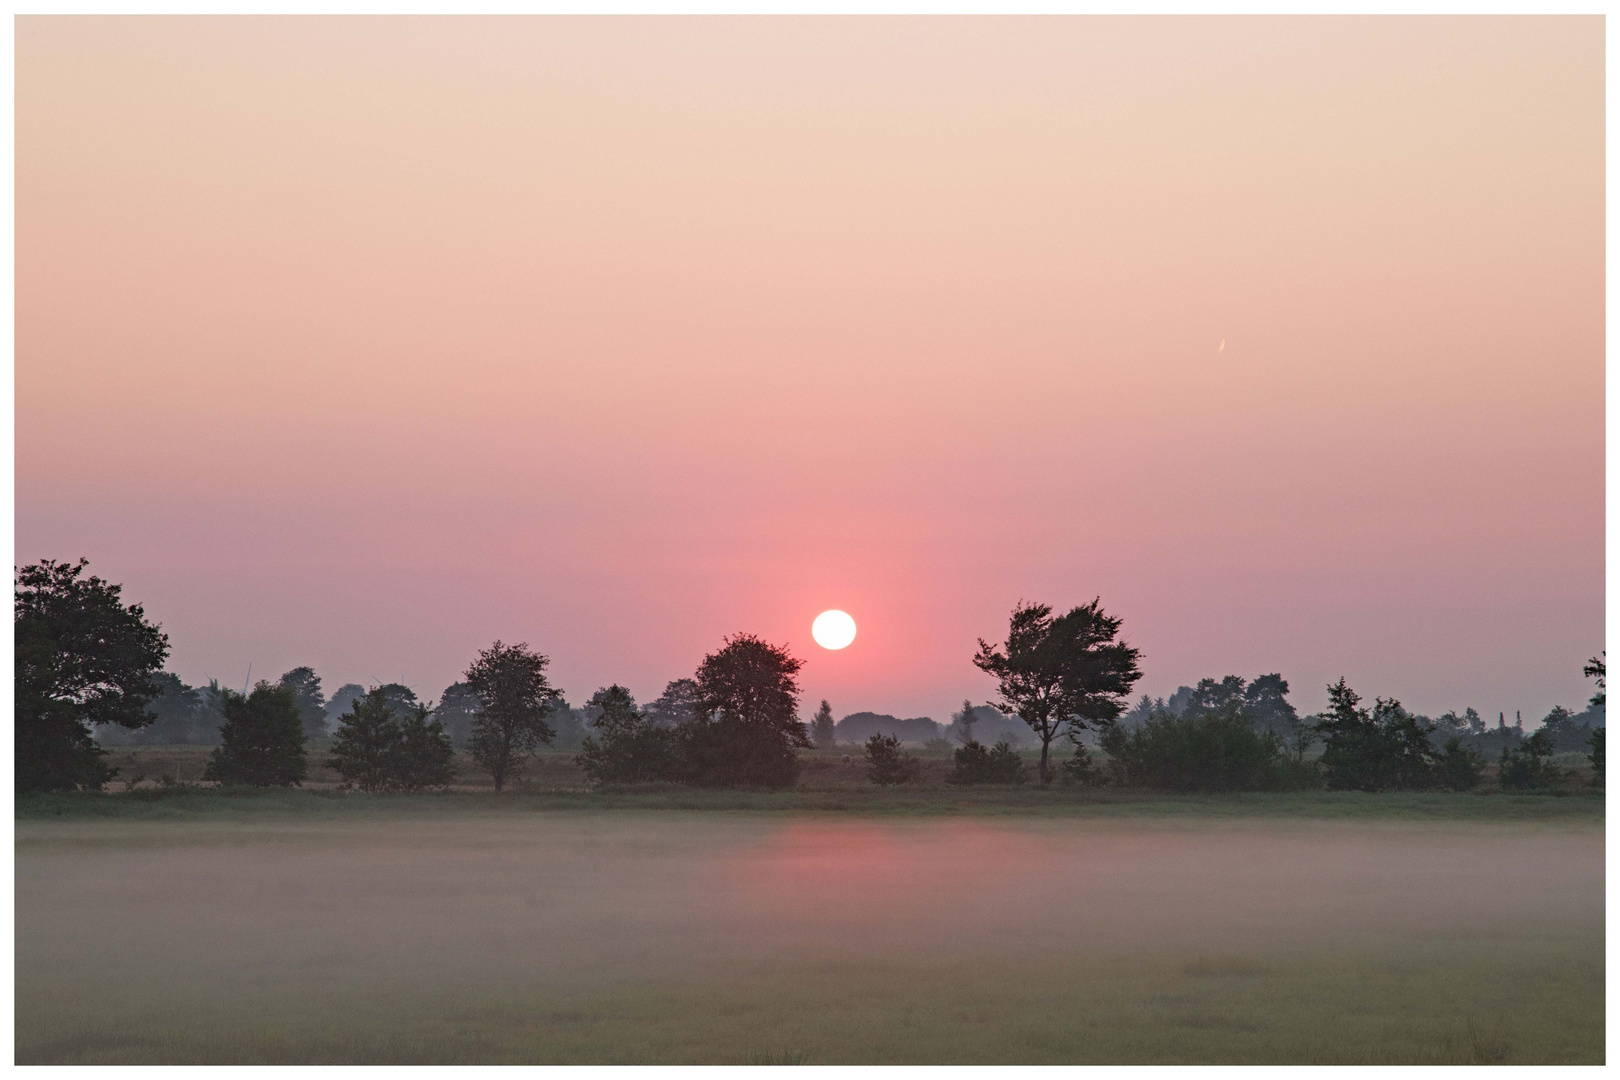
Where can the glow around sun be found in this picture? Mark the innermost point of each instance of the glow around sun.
(833, 629)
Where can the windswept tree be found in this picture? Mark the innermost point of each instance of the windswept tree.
(1061, 674)
(83, 657)
(306, 688)
(823, 729)
(262, 740)
(747, 726)
(514, 697)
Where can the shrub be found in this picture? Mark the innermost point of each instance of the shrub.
(628, 746)
(262, 739)
(1081, 770)
(978, 764)
(1526, 765)
(1217, 751)
(1459, 767)
(886, 764)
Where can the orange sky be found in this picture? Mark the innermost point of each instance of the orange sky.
(362, 342)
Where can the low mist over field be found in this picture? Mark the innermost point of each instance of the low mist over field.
(516, 936)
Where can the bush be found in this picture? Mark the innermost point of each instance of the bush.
(1081, 770)
(1526, 765)
(1459, 767)
(377, 749)
(628, 746)
(1218, 751)
(978, 764)
(262, 739)
(885, 762)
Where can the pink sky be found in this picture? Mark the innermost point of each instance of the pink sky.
(360, 343)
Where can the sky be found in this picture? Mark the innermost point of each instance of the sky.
(363, 342)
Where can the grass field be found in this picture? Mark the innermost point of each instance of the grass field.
(918, 926)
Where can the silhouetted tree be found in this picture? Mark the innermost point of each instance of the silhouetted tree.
(425, 757)
(82, 657)
(1373, 750)
(1595, 669)
(823, 728)
(1082, 770)
(306, 688)
(747, 727)
(886, 764)
(365, 743)
(626, 746)
(963, 722)
(1061, 673)
(676, 705)
(1526, 765)
(458, 711)
(341, 702)
(1459, 766)
(1203, 749)
(514, 697)
(262, 740)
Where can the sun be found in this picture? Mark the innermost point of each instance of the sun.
(833, 629)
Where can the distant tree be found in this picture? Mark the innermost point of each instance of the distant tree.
(1080, 769)
(1373, 750)
(963, 722)
(1460, 767)
(747, 727)
(1596, 756)
(263, 740)
(978, 764)
(458, 711)
(514, 697)
(176, 713)
(568, 723)
(1265, 700)
(1061, 673)
(677, 705)
(1178, 701)
(306, 688)
(1203, 749)
(823, 728)
(340, 703)
(886, 764)
(1595, 669)
(1526, 765)
(1210, 696)
(626, 746)
(856, 728)
(1143, 711)
(82, 657)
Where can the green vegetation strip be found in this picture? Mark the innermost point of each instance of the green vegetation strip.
(215, 803)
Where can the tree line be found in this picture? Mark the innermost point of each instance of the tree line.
(85, 659)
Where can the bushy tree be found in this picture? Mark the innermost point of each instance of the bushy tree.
(378, 747)
(458, 711)
(677, 705)
(514, 697)
(1200, 750)
(627, 746)
(979, 764)
(746, 729)
(823, 728)
(887, 764)
(1384, 748)
(1526, 765)
(1062, 673)
(306, 688)
(262, 740)
(83, 657)
(1460, 768)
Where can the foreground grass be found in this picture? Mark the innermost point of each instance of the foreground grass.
(1483, 1004)
(193, 803)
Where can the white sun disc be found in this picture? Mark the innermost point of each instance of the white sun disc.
(833, 629)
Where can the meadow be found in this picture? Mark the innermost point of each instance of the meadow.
(830, 924)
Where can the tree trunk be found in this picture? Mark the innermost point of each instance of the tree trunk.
(1045, 742)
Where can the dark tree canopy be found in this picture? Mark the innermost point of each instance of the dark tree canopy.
(341, 701)
(1375, 749)
(458, 711)
(1061, 674)
(747, 726)
(82, 657)
(514, 697)
(1597, 668)
(306, 688)
(627, 745)
(262, 740)
(381, 747)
